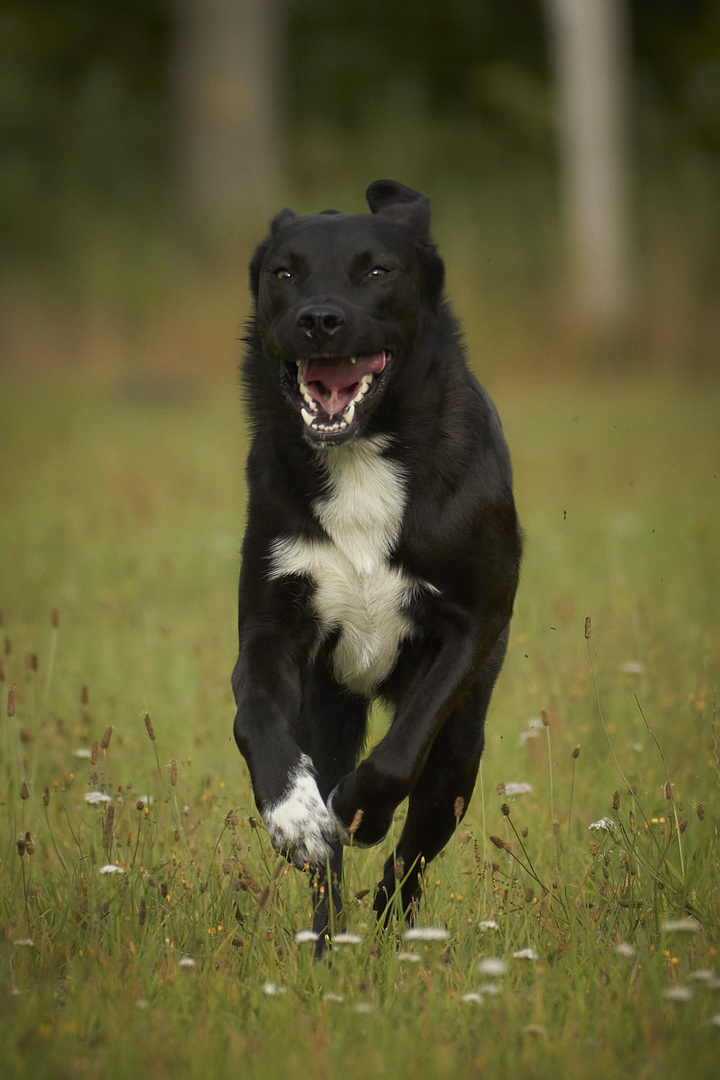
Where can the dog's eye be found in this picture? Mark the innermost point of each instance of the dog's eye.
(376, 272)
(283, 274)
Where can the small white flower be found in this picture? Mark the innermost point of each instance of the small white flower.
(111, 868)
(187, 961)
(333, 997)
(715, 1020)
(24, 941)
(148, 800)
(472, 996)
(624, 948)
(488, 924)
(519, 788)
(271, 989)
(489, 988)
(426, 933)
(82, 752)
(306, 935)
(95, 797)
(703, 975)
(525, 954)
(409, 957)
(363, 1007)
(633, 667)
(688, 926)
(347, 939)
(605, 824)
(535, 1029)
(678, 993)
(492, 965)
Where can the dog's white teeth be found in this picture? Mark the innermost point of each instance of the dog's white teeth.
(365, 382)
(349, 413)
(307, 417)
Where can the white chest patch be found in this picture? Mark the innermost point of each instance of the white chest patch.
(357, 590)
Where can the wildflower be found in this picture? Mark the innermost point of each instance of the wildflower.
(689, 926)
(715, 1020)
(426, 933)
(95, 797)
(492, 965)
(678, 993)
(356, 822)
(409, 957)
(333, 997)
(347, 939)
(458, 807)
(24, 790)
(489, 988)
(271, 989)
(24, 941)
(624, 948)
(105, 741)
(187, 961)
(82, 752)
(488, 924)
(525, 954)
(605, 824)
(473, 997)
(306, 935)
(148, 725)
(363, 1007)
(499, 842)
(517, 788)
(633, 667)
(535, 1029)
(702, 975)
(111, 868)
(588, 628)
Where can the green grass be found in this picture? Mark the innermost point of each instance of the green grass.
(121, 510)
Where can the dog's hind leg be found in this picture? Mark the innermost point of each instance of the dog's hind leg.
(440, 797)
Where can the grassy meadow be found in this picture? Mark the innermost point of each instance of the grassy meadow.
(146, 926)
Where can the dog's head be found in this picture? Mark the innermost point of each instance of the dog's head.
(339, 302)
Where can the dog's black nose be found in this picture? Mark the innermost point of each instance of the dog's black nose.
(319, 320)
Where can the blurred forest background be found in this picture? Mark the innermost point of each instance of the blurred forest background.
(145, 144)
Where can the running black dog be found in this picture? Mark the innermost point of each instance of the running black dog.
(382, 548)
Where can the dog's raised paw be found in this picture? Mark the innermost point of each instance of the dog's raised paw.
(300, 825)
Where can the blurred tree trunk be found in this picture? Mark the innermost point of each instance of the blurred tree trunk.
(591, 54)
(227, 67)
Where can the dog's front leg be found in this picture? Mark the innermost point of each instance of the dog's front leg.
(434, 684)
(266, 682)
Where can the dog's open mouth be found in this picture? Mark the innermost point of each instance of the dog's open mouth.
(332, 388)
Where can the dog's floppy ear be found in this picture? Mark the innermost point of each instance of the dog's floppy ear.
(400, 204)
(281, 219)
(255, 264)
(277, 223)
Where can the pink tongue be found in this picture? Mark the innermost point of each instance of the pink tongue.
(334, 383)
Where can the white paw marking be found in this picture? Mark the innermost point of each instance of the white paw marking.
(300, 824)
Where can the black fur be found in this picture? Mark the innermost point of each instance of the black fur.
(328, 287)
